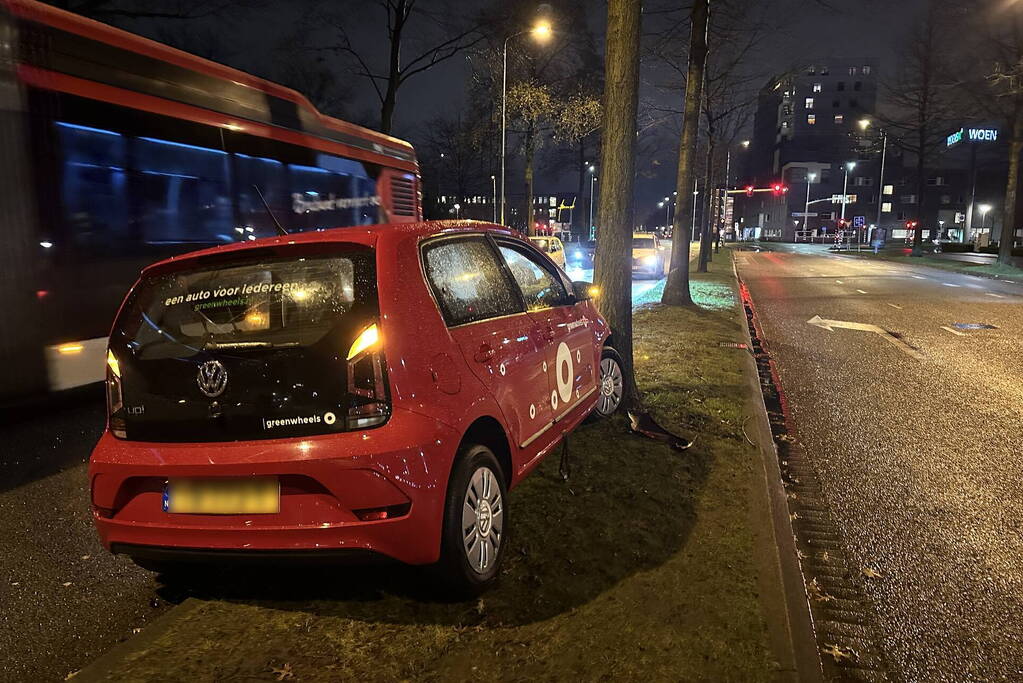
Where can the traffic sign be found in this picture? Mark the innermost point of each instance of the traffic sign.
(859, 221)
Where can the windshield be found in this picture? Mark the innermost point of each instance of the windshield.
(642, 242)
(542, 244)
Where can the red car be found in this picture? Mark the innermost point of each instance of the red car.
(353, 391)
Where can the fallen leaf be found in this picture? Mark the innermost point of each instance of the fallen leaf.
(839, 653)
(480, 606)
(871, 573)
(16, 583)
(284, 673)
(794, 516)
(70, 675)
(136, 631)
(86, 557)
(67, 583)
(813, 589)
(825, 556)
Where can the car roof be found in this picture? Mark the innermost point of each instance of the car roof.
(367, 235)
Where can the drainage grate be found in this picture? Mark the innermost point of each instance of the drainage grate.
(842, 613)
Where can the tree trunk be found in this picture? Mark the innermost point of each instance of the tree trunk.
(530, 208)
(394, 68)
(676, 289)
(613, 261)
(1008, 235)
(921, 187)
(708, 185)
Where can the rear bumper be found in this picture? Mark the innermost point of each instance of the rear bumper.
(247, 557)
(326, 483)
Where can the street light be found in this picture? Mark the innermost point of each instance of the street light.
(667, 212)
(864, 124)
(593, 179)
(493, 180)
(810, 177)
(540, 31)
(984, 208)
(457, 208)
(845, 186)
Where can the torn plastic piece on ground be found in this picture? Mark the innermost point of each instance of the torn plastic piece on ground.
(642, 423)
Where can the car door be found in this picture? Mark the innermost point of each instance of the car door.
(566, 328)
(486, 317)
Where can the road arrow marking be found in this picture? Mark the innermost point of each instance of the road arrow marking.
(830, 326)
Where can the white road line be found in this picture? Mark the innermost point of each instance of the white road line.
(919, 277)
(949, 284)
(838, 281)
(895, 306)
(997, 296)
(953, 331)
(861, 291)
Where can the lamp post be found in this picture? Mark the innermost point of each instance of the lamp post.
(593, 179)
(864, 124)
(667, 212)
(810, 177)
(458, 207)
(984, 208)
(541, 31)
(493, 180)
(845, 187)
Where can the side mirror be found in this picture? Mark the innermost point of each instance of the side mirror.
(583, 291)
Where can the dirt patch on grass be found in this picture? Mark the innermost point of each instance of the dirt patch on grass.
(641, 566)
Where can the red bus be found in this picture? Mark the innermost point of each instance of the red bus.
(119, 151)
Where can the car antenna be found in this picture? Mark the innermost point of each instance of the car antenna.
(280, 228)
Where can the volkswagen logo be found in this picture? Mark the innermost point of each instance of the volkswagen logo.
(212, 378)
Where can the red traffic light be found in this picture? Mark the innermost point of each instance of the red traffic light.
(749, 190)
(911, 224)
(779, 189)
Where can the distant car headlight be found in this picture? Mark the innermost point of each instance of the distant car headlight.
(650, 260)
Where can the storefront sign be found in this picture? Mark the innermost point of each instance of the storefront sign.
(972, 135)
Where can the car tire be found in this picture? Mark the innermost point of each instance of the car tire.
(610, 387)
(475, 529)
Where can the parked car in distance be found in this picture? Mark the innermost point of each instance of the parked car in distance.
(348, 392)
(648, 255)
(552, 246)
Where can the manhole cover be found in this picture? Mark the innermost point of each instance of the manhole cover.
(732, 345)
(974, 326)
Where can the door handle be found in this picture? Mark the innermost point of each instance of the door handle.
(484, 353)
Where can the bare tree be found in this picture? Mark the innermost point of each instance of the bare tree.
(997, 92)
(613, 262)
(921, 99)
(432, 36)
(676, 289)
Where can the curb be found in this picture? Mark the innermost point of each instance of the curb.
(790, 625)
(102, 668)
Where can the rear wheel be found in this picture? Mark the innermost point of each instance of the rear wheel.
(475, 522)
(611, 387)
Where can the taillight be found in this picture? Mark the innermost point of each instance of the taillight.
(115, 397)
(369, 404)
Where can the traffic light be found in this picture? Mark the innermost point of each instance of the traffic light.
(749, 190)
(910, 225)
(778, 189)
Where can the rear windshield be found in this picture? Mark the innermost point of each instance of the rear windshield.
(267, 304)
(642, 242)
(278, 329)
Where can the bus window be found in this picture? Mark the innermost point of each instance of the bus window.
(269, 176)
(185, 193)
(93, 185)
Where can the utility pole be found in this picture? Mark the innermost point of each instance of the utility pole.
(810, 177)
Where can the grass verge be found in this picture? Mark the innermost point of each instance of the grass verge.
(640, 567)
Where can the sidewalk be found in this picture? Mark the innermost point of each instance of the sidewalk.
(647, 564)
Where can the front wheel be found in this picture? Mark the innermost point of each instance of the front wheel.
(475, 522)
(611, 387)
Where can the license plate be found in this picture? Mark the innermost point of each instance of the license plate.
(227, 496)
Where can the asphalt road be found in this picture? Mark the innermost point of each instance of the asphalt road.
(916, 440)
(63, 599)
